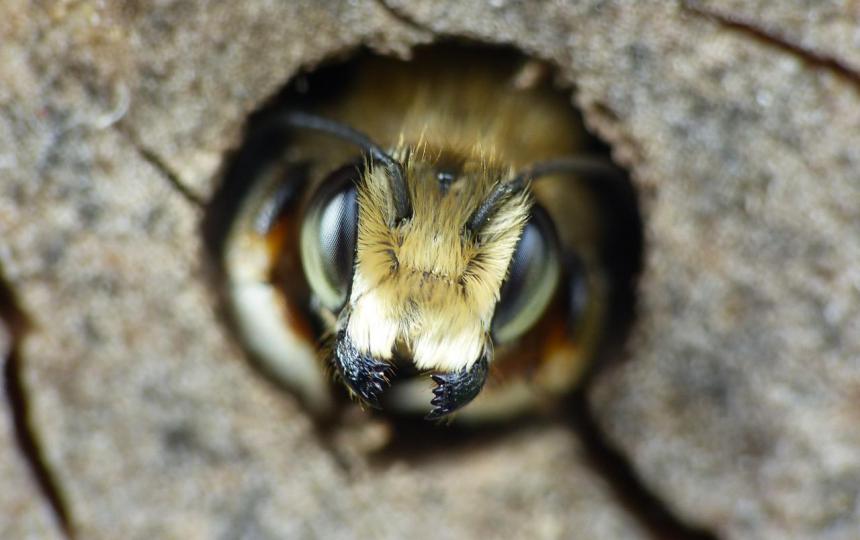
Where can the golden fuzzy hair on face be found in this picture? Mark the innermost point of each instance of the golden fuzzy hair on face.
(425, 285)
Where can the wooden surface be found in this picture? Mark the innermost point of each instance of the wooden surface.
(738, 408)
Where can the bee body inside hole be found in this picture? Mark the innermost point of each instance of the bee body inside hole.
(426, 231)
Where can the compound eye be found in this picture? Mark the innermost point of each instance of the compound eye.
(532, 279)
(328, 236)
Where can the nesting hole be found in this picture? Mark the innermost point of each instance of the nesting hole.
(263, 146)
(411, 438)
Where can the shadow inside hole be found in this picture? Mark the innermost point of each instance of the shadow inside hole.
(622, 254)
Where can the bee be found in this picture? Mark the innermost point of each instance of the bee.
(427, 232)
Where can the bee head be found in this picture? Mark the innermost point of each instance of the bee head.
(410, 255)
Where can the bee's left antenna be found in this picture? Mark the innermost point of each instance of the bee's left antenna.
(399, 191)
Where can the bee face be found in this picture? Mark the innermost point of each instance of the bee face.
(424, 288)
(418, 255)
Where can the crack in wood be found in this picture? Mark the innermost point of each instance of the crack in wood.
(772, 37)
(629, 489)
(16, 322)
(404, 19)
(160, 165)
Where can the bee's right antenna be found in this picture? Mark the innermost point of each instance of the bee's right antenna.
(568, 165)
